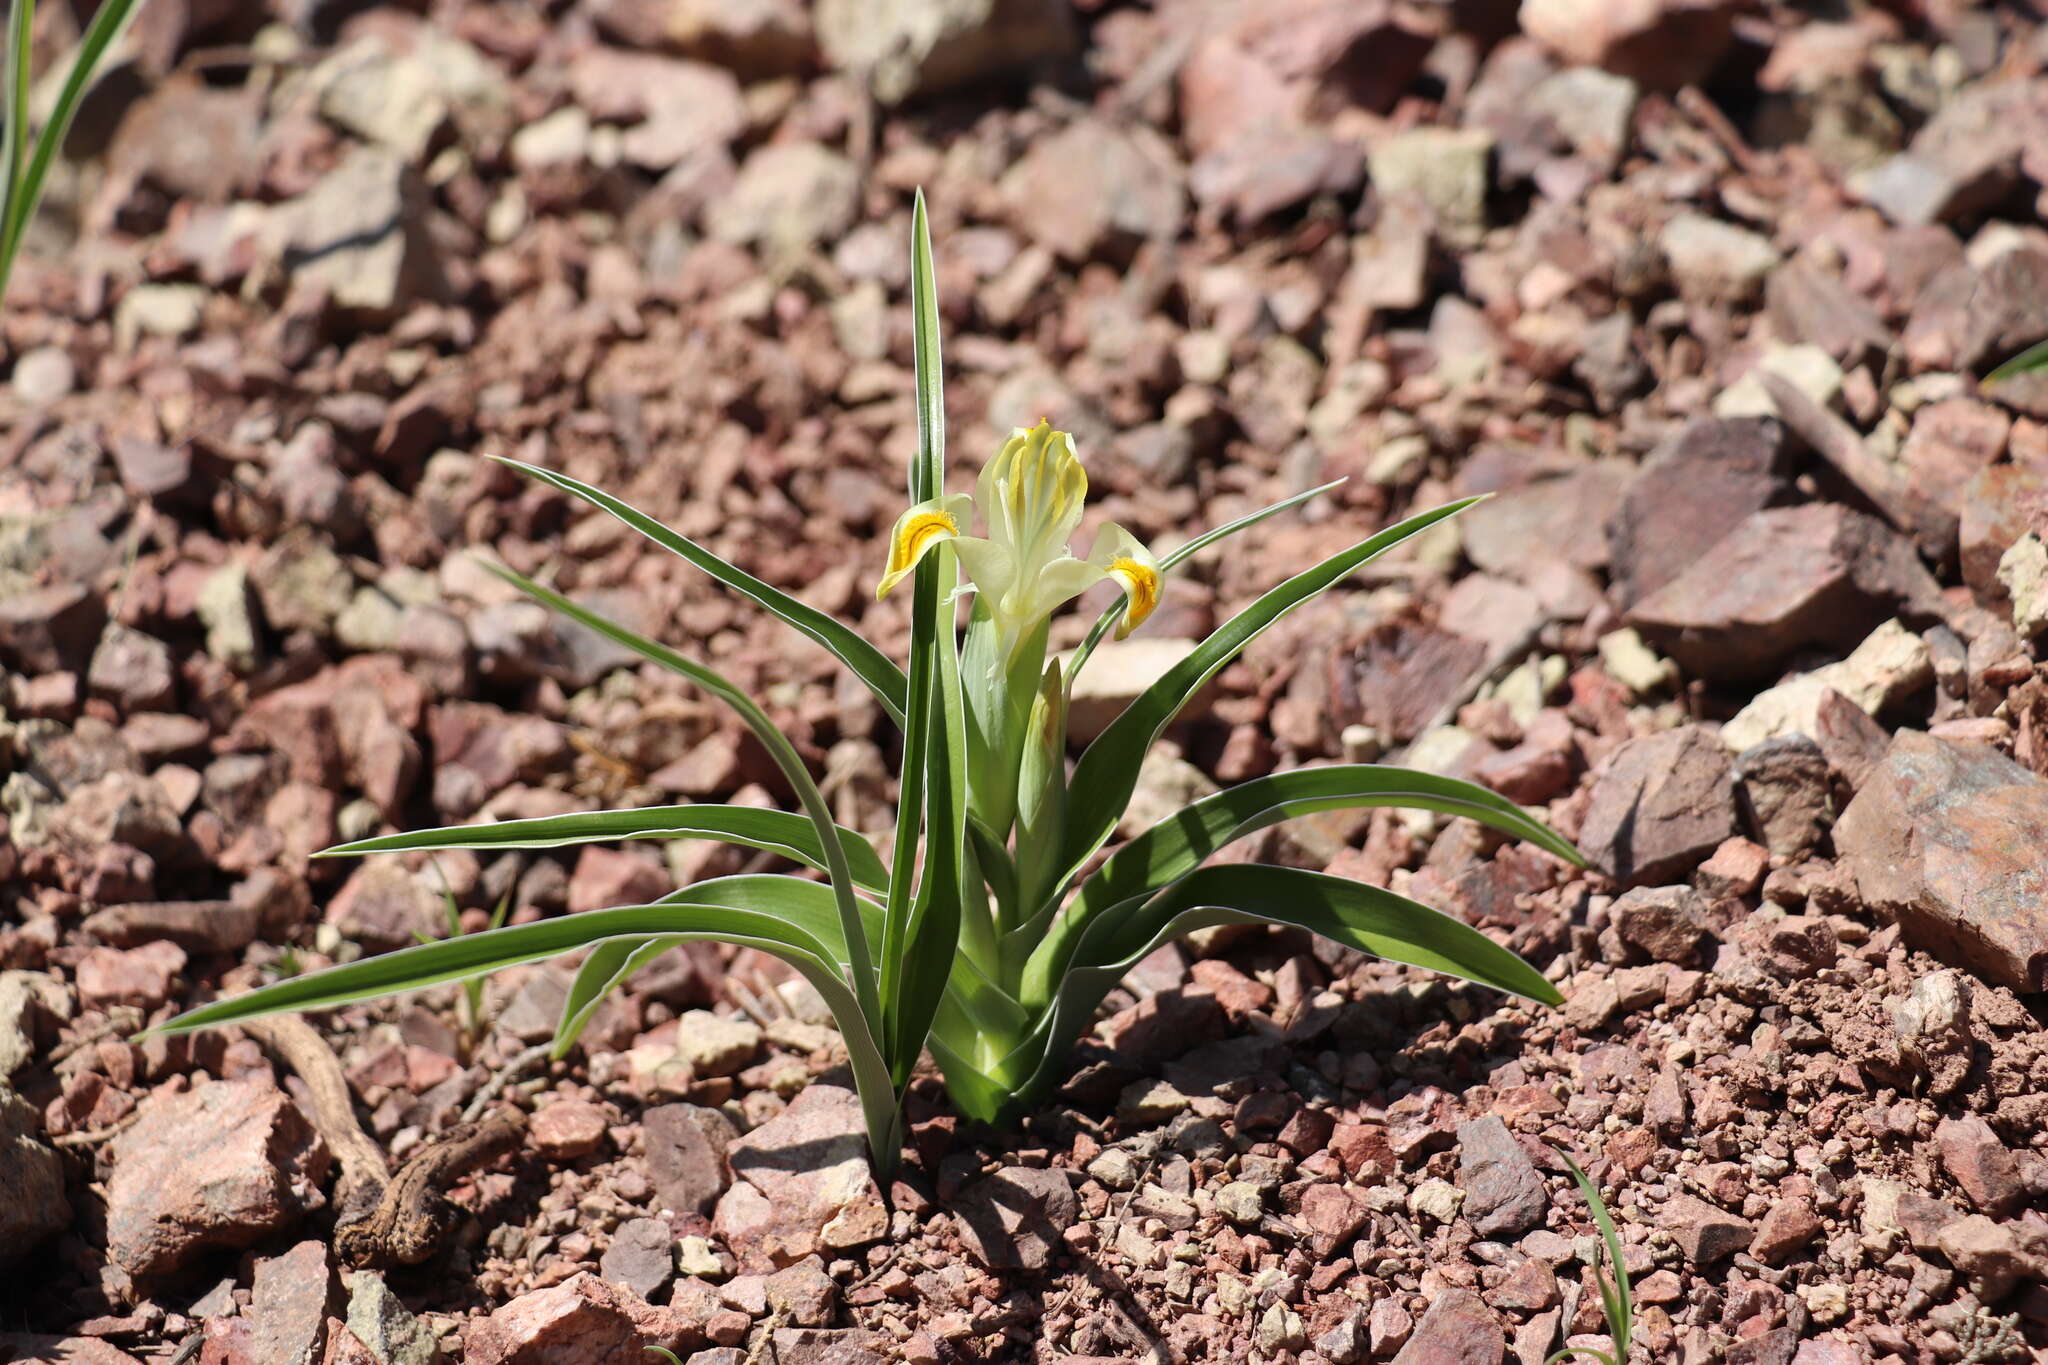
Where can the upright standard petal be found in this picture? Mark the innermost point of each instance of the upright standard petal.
(917, 530)
(1122, 556)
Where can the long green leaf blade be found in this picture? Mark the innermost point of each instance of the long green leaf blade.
(922, 927)
(1368, 918)
(21, 16)
(859, 954)
(603, 970)
(1618, 1298)
(107, 26)
(780, 832)
(1108, 770)
(867, 663)
(1174, 847)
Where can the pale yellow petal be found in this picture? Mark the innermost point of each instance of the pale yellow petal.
(1124, 557)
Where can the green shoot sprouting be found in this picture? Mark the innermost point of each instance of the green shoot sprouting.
(1615, 1296)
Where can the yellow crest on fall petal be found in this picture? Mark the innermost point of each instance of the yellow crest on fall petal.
(916, 531)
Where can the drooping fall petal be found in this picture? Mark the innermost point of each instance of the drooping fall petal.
(917, 530)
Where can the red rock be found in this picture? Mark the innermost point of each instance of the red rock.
(1527, 528)
(197, 926)
(582, 1321)
(1736, 870)
(1504, 1193)
(292, 1298)
(1694, 489)
(1789, 1225)
(568, 1129)
(1990, 1253)
(1947, 838)
(133, 976)
(50, 630)
(801, 1183)
(1705, 1234)
(1333, 1216)
(1980, 1164)
(1093, 188)
(27, 1348)
(686, 1155)
(1998, 506)
(1668, 922)
(1016, 1218)
(1809, 305)
(1458, 1329)
(1659, 806)
(1785, 579)
(613, 876)
(225, 1165)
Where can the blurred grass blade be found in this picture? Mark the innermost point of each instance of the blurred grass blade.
(21, 21)
(859, 955)
(1179, 555)
(1175, 846)
(26, 185)
(866, 662)
(776, 831)
(1107, 773)
(603, 971)
(2034, 358)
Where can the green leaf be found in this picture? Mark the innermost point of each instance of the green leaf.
(1178, 844)
(780, 832)
(603, 970)
(866, 662)
(1367, 918)
(1617, 1298)
(1107, 773)
(792, 919)
(21, 15)
(859, 956)
(1174, 558)
(108, 24)
(2035, 357)
(921, 927)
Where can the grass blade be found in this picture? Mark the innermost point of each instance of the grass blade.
(1107, 773)
(780, 832)
(867, 663)
(1617, 1297)
(107, 26)
(859, 955)
(21, 22)
(2035, 357)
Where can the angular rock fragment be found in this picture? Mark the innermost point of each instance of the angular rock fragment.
(1015, 1219)
(906, 48)
(582, 1321)
(1947, 838)
(1694, 489)
(1785, 579)
(1659, 807)
(225, 1165)
(1504, 1193)
(32, 1202)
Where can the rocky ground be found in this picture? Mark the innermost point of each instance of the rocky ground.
(1702, 293)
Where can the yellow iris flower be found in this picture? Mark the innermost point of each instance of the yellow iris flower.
(1030, 495)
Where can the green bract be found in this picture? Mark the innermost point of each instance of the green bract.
(992, 933)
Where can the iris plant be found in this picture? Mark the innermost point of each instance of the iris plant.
(992, 931)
